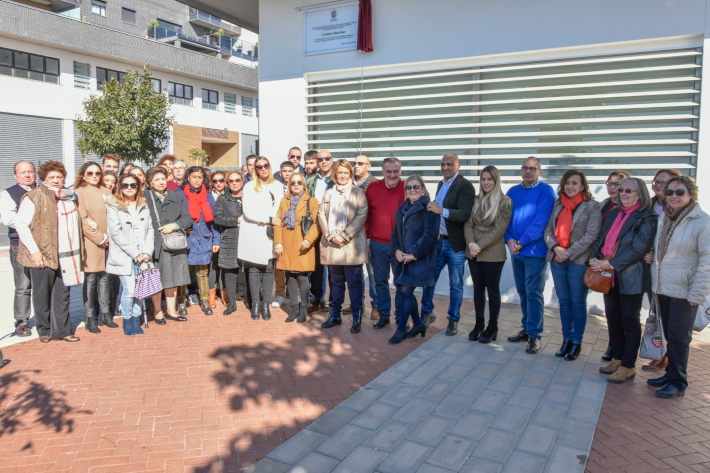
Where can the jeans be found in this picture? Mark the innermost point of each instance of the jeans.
(50, 298)
(383, 261)
(456, 261)
(295, 282)
(130, 306)
(409, 307)
(371, 283)
(486, 277)
(261, 275)
(96, 292)
(23, 290)
(339, 276)
(529, 274)
(623, 315)
(572, 294)
(677, 317)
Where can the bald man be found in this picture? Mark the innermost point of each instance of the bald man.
(363, 178)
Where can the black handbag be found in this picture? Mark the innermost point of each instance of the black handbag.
(269, 227)
(307, 220)
(174, 241)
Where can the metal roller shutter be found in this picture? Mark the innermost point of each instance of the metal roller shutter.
(250, 145)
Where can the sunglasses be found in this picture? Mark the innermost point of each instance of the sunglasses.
(525, 169)
(325, 159)
(92, 173)
(127, 185)
(214, 181)
(678, 192)
(627, 191)
(233, 181)
(263, 166)
(360, 163)
(415, 187)
(296, 183)
(294, 156)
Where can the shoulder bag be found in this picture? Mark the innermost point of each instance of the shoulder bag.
(653, 342)
(307, 220)
(600, 281)
(173, 241)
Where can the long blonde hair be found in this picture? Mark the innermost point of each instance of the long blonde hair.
(490, 202)
(255, 174)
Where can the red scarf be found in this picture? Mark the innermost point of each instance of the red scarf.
(613, 233)
(564, 219)
(198, 203)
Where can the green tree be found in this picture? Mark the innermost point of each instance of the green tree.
(130, 119)
(199, 155)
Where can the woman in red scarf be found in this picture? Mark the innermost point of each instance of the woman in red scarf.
(574, 225)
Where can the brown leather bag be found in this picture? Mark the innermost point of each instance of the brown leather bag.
(600, 281)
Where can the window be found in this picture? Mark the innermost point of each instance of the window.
(105, 75)
(82, 75)
(230, 103)
(180, 94)
(169, 26)
(157, 85)
(210, 99)
(128, 16)
(29, 66)
(98, 7)
(247, 106)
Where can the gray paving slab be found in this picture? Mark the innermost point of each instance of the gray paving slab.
(537, 440)
(297, 447)
(362, 399)
(427, 468)
(267, 465)
(361, 460)
(415, 411)
(473, 425)
(566, 460)
(399, 395)
(405, 459)
(490, 402)
(431, 431)
(315, 463)
(576, 434)
(387, 437)
(374, 416)
(495, 446)
(452, 452)
(436, 390)
(520, 462)
(471, 386)
(525, 397)
(549, 415)
(453, 406)
(333, 420)
(343, 442)
(512, 419)
(477, 465)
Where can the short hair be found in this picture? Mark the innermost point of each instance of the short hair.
(166, 157)
(51, 166)
(287, 164)
(622, 174)
(345, 164)
(456, 156)
(310, 154)
(537, 160)
(123, 177)
(79, 180)
(155, 170)
(566, 177)
(688, 182)
(112, 157)
(391, 160)
(21, 162)
(295, 147)
(252, 156)
(193, 169)
(644, 196)
(110, 174)
(420, 179)
(180, 161)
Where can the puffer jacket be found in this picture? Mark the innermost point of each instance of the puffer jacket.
(684, 272)
(122, 247)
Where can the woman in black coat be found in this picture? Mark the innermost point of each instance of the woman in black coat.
(414, 239)
(227, 214)
(631, 226)
(174, 216)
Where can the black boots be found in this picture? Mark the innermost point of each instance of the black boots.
(357, 318)
(90, 323)
(332, 322)
(231, 307)
(566, 346)
(521, 336)
(294, 313)
(453, 328)
(477, 329)
(265, 311)
(107, 320)
(255, 311)
(490, 334)
(398, 337)
(607, 356)
(573, 352)
(182, 307)
(533, 346)
(416, 330)
(205, 305)
(382, 322)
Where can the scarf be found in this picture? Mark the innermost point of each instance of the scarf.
(290, 215)
(198, 203)
(564, 219)
(68, 239)
(670, 223)
(615, 230)
(338, 213)
(407, 206)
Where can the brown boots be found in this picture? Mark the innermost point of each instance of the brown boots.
(654, 365)
(611, 367)
(617, 373)
(213, 298)
(225, 299)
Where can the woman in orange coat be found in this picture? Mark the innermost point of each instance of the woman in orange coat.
(295, 251)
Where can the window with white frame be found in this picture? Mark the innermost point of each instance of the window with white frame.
(98, 7)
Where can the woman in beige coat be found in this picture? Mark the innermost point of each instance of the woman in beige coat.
(92, 211)
(485, 240)
(343, 246)
(296, 254)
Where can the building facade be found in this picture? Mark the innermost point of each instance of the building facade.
(55, 54)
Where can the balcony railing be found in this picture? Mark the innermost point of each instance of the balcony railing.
(206, 20)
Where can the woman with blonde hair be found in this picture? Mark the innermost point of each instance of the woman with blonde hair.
(485, 238)
(260, 199)
(294, 245)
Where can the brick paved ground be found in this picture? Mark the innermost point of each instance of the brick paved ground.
(213, 394)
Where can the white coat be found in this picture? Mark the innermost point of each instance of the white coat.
(254, 246)
(684, 272)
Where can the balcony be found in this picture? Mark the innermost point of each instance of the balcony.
(208, 43)
(198, 17)
(58, 5)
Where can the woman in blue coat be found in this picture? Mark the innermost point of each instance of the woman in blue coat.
(414, 239)
(204, 238)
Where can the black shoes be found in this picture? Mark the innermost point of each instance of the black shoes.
(332, 322)
(573, 352)
(265, 310)
(292, 316)
(453, 328)
(382, 323)
(356, 327)
(90, 323)
(477, 329)
(669, 392)
(182, 307)
(427, 318)
(533, 346)
(302, 315)
(179, 318)
(490, 334)
(566, 347)
(398, 337)
(205, 306)
(416, 330)
(160, 321)
(255, 311)
(231, 307)
(607, 356)
(521, 336)
(107, 320)
(658, 382)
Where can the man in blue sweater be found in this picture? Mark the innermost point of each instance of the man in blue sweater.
(532, 205)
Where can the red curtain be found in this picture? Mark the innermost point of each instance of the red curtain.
(364, 27)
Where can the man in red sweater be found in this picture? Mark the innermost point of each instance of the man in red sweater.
(384, 197)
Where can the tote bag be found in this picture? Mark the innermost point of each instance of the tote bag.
(147, 282)
(653, 343)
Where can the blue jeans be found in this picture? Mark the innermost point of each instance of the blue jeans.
(370, 282)
(572, 294)
(383, 260)
(529, 273)
(446, 256)
(130, 306)
(339, 276)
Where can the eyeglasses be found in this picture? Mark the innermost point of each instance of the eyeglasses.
(678, 192)
(263, 166)
(296, 183)
(360, 163)
(325, 159)
(415, 187)
(233, 181)
(294, 156)
(215, 181)
(179, 167)
(613, 184)
(92, 173)
(526, 169)
(129, 185)
(658, 183)
(627, 191)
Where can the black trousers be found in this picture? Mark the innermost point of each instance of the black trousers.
(623, 316)
(678, 318)
(316, 291)
(97, 293)
(486, 277)
(296, 281)
(50, 298)
(230, 278)
(261, 276)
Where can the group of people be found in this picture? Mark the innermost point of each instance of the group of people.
(305, 228)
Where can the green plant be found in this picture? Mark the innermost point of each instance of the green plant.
(199, 155)
(128, 119)
(220, 32)
(153, 22)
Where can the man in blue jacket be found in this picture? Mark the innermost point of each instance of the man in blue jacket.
(532, 205)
